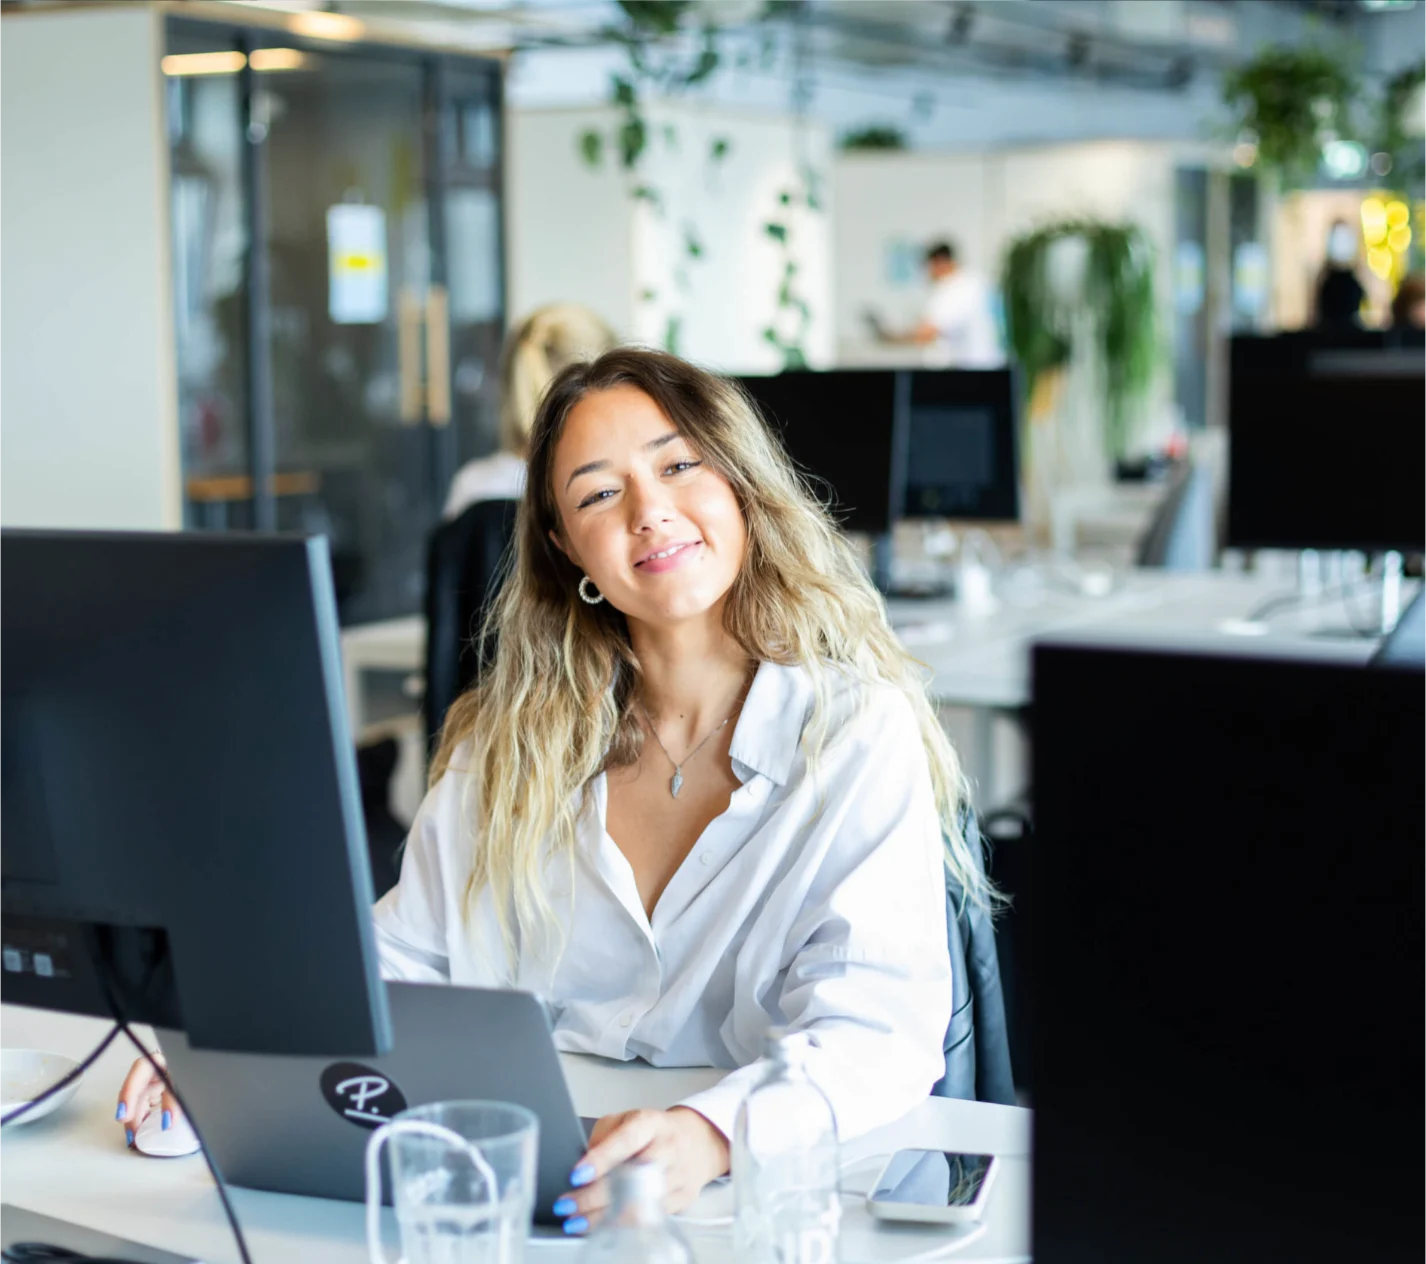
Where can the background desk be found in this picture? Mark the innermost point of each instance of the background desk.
(74, 1165)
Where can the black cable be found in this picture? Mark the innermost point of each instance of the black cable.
(1286, 601)
(58, 1085)
(44, 1253)
(122, 1024)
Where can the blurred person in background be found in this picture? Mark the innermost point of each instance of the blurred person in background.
(1408, 308)
(546, 341)
(1339, 292)
(957, 323)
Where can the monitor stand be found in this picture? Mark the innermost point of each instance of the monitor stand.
(909, 590)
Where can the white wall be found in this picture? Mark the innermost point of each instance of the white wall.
(576, 234)
(568, 231)
(88, 429)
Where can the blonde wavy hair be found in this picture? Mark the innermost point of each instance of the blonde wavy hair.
(555, 708)
(546, 341)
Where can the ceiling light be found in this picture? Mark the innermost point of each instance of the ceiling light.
(203, 63)
(266, 59)
(327, 26)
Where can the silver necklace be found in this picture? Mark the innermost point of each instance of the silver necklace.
(676, 784)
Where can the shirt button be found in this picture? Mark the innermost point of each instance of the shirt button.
(626, 1021)
(704, 859)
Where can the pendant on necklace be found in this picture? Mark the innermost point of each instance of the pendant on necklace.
(676, 784)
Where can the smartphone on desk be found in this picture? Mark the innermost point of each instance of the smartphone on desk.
(933, 1187)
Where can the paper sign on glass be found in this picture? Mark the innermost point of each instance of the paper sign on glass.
(356, 264)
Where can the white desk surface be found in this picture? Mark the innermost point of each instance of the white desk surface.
(74, 1165)
(983, 660)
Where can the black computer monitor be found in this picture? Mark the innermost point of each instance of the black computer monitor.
(181, 818)
(846, 428)
(891, 444)
(1226, 918)
(961, 446)
(1326, 443)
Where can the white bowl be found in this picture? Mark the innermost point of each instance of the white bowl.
(26, 1073)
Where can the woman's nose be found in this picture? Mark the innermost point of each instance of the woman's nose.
(650, 505)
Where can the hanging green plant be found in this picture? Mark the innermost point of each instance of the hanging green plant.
(876, 136)
(1111, 301)
(1399, 135)
(1289, 102)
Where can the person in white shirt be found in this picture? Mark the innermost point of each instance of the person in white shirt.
(957, 326)
(547, 340)
(700, 792)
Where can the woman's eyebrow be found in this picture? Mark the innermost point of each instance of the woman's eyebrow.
(652, 446)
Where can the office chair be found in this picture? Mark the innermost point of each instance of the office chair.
(464, 567)
(977, 1041)
(1181, 535)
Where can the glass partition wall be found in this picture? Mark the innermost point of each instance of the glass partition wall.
(338, 297)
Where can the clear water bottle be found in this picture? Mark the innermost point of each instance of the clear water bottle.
(785, 1164)
(636, 1229)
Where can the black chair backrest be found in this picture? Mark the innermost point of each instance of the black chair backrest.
(977, 1041)
(464, 559)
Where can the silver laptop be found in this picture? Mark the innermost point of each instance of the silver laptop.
(299, 1125)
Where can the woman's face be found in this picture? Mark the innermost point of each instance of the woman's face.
(657, 531)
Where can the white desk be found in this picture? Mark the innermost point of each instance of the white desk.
(74, 1165)
(390, 645)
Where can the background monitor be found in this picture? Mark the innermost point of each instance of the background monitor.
(1326, 444)
(182, 822)
(1225, 911)
(961, 446)
(892, 444)
(843, 427)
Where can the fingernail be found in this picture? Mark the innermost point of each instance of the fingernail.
(581, 1175)
(166, 1120)
(129, 1135)
(565, 1207)
(122, 1111)
(576, 1224)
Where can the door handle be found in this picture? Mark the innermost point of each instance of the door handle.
(408, 356)
(438, 355)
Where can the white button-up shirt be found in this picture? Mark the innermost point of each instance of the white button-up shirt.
(816, 902)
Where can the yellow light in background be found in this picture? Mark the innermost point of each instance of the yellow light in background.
(1379, 261)
(1245, 154)
(1373, 220)
(203, 63)
(328, 26)
(266, 59)
(1397, 216)
(1399, 238)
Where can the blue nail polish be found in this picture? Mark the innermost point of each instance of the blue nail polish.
(129, 1135)
(166, 1120)
(581, 1175)
(565, 1207)
(122, 1111)
(576, 1224)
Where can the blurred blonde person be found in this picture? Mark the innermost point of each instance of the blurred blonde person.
(546, 341)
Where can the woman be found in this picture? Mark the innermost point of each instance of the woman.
(550, 338)
(700, 793)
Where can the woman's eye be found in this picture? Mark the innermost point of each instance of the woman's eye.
(678, 467)
(595, 496)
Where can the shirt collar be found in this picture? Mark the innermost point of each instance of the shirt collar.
(769, 730)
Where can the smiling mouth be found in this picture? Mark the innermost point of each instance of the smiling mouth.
(673, 550)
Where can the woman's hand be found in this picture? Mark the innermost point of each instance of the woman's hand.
(690, 1150)
(143, 1092)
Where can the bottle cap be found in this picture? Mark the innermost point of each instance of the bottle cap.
(639, 1181)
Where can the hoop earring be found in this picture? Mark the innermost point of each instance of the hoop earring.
(584, 594)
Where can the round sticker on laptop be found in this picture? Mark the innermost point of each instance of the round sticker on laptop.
(359, 1094)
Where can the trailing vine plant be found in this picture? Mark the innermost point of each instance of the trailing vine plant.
(658, 64)
(1399, 136)
(1116, 297)
(1290, 102)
